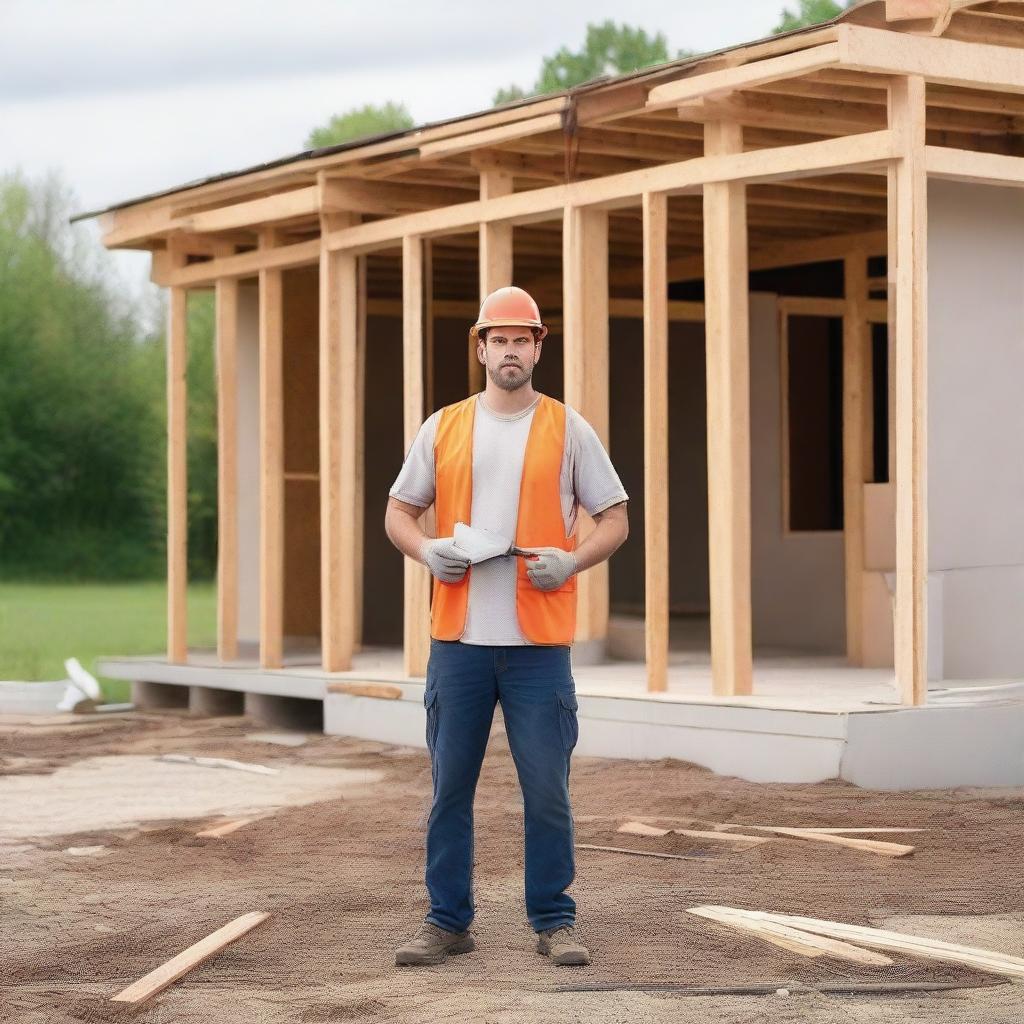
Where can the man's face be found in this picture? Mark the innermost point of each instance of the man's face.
(510, 354)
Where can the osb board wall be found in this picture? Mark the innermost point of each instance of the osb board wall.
(301, 453)
(301, 370)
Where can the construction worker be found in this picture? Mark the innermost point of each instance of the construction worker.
(518, 464)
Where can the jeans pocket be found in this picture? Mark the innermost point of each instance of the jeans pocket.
(430, 703)
(568, 720)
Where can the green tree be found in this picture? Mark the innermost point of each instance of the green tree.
(811, 12)
(359, 123)
(609, 49)
(83, 471)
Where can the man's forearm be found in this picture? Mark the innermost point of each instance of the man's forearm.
(404, 531)
(610, 530)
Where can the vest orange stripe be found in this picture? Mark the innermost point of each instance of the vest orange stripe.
(545, 617)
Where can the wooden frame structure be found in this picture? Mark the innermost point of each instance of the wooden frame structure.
(811, 146)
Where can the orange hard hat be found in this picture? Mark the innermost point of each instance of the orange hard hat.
(508, 307)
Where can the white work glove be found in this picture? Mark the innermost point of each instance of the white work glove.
(551, 569)
(444, 559)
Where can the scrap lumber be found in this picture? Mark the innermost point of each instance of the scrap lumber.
(168, 973)
(223, 829)
(378, 690)
(792, 939)
(636, 853)
(866, 845)
(219, 762)
(739, 842)
(893, 942)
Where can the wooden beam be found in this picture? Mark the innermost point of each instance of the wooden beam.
(784, 254)
(966, 165)
(300, 202)
(226, 318)
(851, 152)
(585, 354)
(417, 578)
(339, 405)
(856, 405)
(948, 61)
(492, 136)
(247, 264)
(359, 496)
(728, 410)
(271, 333)
(166, 974)
(495, 257)
(177, 478)
(386, 197)
(656, 413)
(908, 258)
(787, 65)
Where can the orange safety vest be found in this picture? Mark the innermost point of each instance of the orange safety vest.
(545, 616)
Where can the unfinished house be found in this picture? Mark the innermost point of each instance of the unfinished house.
(786, 286)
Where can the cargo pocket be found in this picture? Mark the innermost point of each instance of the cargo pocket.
(430, 703)
(568, 720)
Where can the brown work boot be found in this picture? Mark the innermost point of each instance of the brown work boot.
(563, 946)
(431, 944)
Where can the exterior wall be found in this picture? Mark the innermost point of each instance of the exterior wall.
(975, 425)
(248, 442)
(797, 588)
(797, 578)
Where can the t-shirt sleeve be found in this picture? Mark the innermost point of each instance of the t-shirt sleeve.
(415, 481)
(595, 481)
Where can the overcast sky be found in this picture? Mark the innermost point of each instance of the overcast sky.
(125, 97)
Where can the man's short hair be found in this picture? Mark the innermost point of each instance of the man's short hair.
(482, 333)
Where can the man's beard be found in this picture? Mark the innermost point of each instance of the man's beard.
(509, 381)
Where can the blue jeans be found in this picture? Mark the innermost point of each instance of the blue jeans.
(538, 702)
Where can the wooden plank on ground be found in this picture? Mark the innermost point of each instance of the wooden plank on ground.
(793, 939)
(225, 828)
(864, 845)
(168, 973)
(897, 942)
(636, 853)
(739, 842)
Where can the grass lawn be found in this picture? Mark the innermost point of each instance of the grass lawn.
(41, 624)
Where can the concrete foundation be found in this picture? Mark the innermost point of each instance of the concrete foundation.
(157, 695)
(205, 700)
(808, 720)
(285, 712)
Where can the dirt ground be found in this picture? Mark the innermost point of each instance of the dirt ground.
(102, 878)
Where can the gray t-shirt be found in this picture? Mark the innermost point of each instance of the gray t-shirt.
(499, 447)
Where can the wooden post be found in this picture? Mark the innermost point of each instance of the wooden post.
(656, 565)
(271, 466)
(495, 257)
(908, 260)
(177, 482)
(417, 578)
(339, 443)
(359, 495)
(585, 348)
(856, 439)
(226, 315)
(726, 303)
